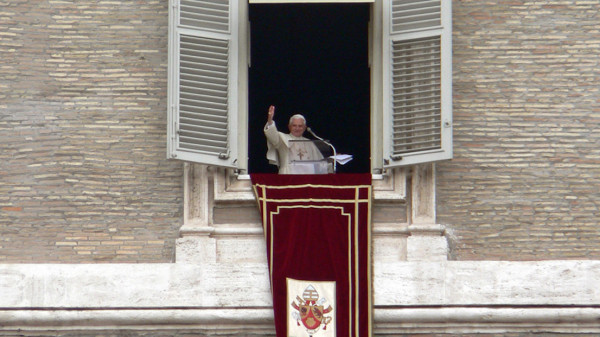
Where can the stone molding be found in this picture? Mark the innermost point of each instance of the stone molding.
(409, 297)
(260, 320)
(229, 187)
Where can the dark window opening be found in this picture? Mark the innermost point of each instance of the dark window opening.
(311, 59)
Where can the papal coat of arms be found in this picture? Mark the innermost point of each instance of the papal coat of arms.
(311, 311)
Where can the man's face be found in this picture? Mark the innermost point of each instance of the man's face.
(297, 127)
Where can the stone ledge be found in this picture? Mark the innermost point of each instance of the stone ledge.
(226, 319)
(559, 283)
(260, 320)
(231, 298)
(487, 319)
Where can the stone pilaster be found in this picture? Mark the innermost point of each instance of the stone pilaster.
(426, 241)
(196, 245)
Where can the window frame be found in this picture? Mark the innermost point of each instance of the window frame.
(234, 94)
(379, 59)
(419, 13)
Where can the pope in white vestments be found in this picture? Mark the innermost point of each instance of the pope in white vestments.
(282, 150)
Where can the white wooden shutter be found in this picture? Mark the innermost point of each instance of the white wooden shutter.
(202, 83)
(417, 60)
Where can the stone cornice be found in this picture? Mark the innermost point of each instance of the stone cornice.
(395, 320)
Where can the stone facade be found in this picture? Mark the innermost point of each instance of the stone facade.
(83, 131)
(99, 231)
(84, 176)
(85, 179)
(523, 181)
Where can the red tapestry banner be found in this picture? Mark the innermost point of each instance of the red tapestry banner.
(318, 234)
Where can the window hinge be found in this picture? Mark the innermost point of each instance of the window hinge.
(177, 130)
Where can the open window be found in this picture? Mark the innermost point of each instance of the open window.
(311, 59)
(409, 56)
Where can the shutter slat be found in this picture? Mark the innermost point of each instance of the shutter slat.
(199, 76)
(204, 136)
(201, 147)
(205, 126)
(210, 47)
(412, 117)
(192, 106)
(207, 15)
(412, 142)
(197, 106)
(417, 106)
(202, 88)
(401, 101)
(215, 95)
(192, 80)
(195, 98)
(415, 15)
(419, 128)
(221, 5)
(413, 88)
(202, 115)
(403, 78)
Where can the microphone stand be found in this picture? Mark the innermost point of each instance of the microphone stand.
(328, 143)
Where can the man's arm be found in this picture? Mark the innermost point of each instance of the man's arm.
(273, 138)
(270, 115)
(270, 129)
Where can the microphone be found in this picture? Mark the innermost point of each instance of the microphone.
(326, 142)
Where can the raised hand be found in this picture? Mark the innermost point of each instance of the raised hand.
(270, 114)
